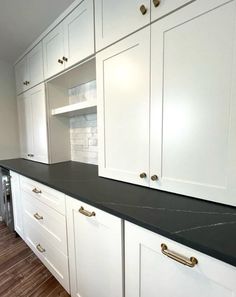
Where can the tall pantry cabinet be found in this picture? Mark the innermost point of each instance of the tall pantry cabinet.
(190, 143)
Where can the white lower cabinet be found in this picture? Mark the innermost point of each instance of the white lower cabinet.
(95, 251)
(17, 203)
(150, 273)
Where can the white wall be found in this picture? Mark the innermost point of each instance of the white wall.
(9, 138)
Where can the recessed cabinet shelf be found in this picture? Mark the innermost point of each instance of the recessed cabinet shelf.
(76, 109)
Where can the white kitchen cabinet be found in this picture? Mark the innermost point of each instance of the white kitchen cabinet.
(193, 113)
(116, 19)
(29, 71)
(123, 109)
(79, 33)
(95, 251)
(17, 203)
(150, 273)
(53, 50)
(161, 8)
(33, 124)
(71, 41)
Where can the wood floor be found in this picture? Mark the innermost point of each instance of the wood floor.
(21, 273)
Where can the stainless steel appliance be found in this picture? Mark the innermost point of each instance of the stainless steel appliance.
(6, 210)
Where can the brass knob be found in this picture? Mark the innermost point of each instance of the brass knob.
(60, 61)
(143, 175)
(25, 83)
(154, 177)
(156, 3)
(65, 59)
(143, 9)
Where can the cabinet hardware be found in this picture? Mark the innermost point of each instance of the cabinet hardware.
(86, 212)
(24, 83)
(156, 3)
(38, 217)
(143, 9)
(65, 59)
(30, 155)
(36, 191)
(27, 82)
(154, 177)
(60, 61)
(40, 248)
(191, 262)
(143, 175)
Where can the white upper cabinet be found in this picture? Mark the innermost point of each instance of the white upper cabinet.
(33, 124)
(123, 109)
(79, 33)
(53, 49)
(71, 41)
(95, 251)
(193, 114)
(151, 273)
(116, 19)
(163, 7)
(29, 71)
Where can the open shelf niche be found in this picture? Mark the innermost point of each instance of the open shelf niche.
(70, 94)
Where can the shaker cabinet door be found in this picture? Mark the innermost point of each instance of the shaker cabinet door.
(116, 19)
(53, 50)
(95, 251)
(79, 33)
(21, 75)
(123, 109)
(39, 124)
(193, 99)
(150, 273)
(35, 62)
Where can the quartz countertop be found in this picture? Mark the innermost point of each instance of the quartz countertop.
(204, 226)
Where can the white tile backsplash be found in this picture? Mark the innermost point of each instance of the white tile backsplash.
(83, 128)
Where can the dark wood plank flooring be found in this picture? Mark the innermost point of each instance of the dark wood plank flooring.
(21, 272)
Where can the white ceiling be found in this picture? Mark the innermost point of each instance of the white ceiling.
(22, 21)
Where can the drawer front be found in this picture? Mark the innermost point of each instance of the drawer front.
(48, 196)
(53, 259)
(50, 223)
(155, 264)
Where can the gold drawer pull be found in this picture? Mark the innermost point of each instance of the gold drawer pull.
(181, 259)
(40, 248)
(36, 191)
(86, 212)
(38, 217)
(156, 3)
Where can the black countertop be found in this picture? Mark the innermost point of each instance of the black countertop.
(205, 226)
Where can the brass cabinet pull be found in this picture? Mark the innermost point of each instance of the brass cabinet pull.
(25, 83)
(154, 177)
(86, 212)
(181, 259)
(40, 248)
(156, 3)
(65, 59)
(143, 175)
(143, 9)
(60, 61)
(36, 191)
(30, 155)
(38, 217)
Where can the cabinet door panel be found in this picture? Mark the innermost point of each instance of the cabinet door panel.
(21, 73)
(53, 49)
(39, 124)
(166, 6)
(95, 252)
(79, 33)
(193, 121)
(150, 273)
(123, 102)
(116, 19)
(35, 62)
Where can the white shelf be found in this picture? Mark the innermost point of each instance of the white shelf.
(80, 108)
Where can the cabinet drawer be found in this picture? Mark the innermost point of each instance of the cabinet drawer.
(53, 259)
(149, 269)
(48, 196)
(50, 223)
